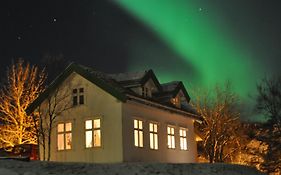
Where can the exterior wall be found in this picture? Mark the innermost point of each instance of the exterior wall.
(98, 104)
(132, 110)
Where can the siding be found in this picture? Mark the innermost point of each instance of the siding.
(98, 104)
(132, 110)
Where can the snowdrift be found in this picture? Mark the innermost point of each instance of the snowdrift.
(14, 167)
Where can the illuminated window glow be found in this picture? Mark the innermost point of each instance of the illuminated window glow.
(153, 136)
(138, 133)
(93, 126)
(176, 101)
(64, 136)
(171, 137)
(183, 139)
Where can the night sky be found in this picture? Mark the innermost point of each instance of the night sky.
(201, 42)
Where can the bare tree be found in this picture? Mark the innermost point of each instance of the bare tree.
(23, 85)
(221, 125)
(55, 104)
(269, 104)
(54, 64)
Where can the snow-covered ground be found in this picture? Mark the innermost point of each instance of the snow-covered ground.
(13, 167)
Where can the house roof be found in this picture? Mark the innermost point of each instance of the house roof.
(171, 90)
(136, 79)
(118, 85)
(98, 78)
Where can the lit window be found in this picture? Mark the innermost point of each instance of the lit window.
(153, 136)
(183, 139)
(176, 101)
(138, 133)
(93, 126)
(78, 96)
(64, 136)
(171, 137)
(89, 133)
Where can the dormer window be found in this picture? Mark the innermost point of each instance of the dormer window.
(78, 96)
(145, 92)
(176, 101)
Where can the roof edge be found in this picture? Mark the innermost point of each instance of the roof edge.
(72, 67)
(196, 117)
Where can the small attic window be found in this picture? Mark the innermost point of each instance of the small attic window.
(78, 96)
(146, 92)
(176, 101)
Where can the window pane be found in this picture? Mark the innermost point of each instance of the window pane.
(155, 141)
(185, 144)
(181, 143)
(97, 123)
(68, 140)
(168, 130)
(60, 127)
(97, 138)
(89, 139)
(169, 141)
(60, 142)
(181, 132)
(88, 124)
(173, 141)
(135, 123)
(184, 133)
(74, 100)
(68, 127)
(141, 138)
(140, 124)
(172, 131)
(151, 141)
(150, 127)
(74, 91)
(136, 137)
(81, 99)
(155, 127)
(81, 90)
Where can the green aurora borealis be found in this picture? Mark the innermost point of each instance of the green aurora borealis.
(201, 40)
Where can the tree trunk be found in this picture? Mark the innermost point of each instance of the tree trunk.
(44, 147)
(49, 144)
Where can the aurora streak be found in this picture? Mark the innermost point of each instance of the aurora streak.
(201, 40)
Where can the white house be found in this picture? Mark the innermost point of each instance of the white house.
(126, 117)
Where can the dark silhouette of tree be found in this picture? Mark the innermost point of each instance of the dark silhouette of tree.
(54, 64)
(268, 103)
(55, 104)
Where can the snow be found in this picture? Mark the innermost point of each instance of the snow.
(14, 167)
(4, 171)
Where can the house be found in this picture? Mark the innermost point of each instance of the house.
(126, 117)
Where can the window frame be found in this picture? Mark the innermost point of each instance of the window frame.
(140, 132)
(183, 138)
(79, 95)
(146, 91)
(172, 144)
(154, 133)
(176, 101)
(64, 133)
(93, 129)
